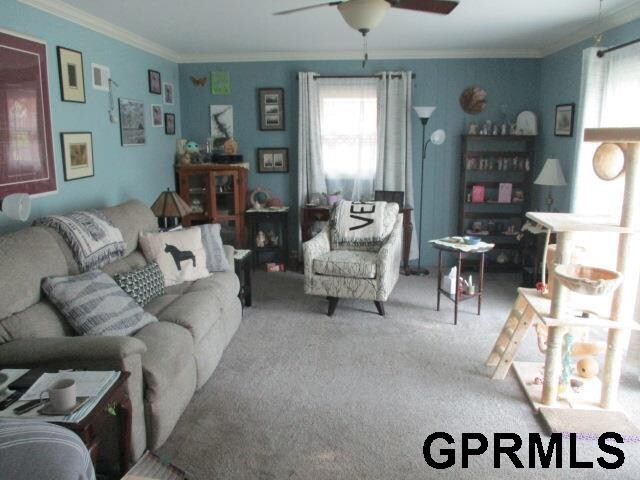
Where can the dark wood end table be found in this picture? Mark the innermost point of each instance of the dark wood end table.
(243, 259)
(460, 296)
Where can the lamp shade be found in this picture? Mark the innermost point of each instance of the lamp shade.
(438, 137)
(17, 206)
(363, 15)
(169, 204)
(551, 174)
(424, 112)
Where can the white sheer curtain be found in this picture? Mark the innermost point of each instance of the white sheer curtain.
(610, 97)
(348, 135)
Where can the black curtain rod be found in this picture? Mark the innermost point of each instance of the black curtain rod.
(602, 53)
(413, 76)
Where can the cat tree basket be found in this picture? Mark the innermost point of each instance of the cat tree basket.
(588, 280)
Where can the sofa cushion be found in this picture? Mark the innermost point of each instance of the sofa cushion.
(169, 353)
(28, 256)
(195, 311)
(346, 263)
(142, 284)
(131, 218)
(213, 247)
(38, 321)
(353, 242)
(222, 284)
(130, 262)
(94, 304)
(180, 254)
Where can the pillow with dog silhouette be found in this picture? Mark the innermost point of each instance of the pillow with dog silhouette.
(179, 254)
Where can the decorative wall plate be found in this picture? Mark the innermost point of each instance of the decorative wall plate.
(527, 123)
(473, 100)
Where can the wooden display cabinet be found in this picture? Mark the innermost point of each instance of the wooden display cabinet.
(217, 194)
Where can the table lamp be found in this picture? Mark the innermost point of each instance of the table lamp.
(16, 206)
(169, 205)
(551, 175)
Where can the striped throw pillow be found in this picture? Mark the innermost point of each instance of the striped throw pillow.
(94, 304)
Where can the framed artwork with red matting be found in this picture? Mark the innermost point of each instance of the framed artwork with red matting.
(27, 163)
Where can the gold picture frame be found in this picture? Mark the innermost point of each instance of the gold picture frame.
(77, 152)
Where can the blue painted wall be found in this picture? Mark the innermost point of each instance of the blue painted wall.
(438, 82)
(560, 83)
(121, 173)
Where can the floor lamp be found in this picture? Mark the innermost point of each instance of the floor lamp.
(437, 138)
(551, 176)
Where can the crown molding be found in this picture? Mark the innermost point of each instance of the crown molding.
(356, 55)
(617, 18)
(84, 19)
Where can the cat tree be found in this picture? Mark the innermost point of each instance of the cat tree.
(594, 408)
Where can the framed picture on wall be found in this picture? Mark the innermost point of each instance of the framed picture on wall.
(273, 160)
(271, 103)
(155, 83)
(167, 93)
(27, 162)
(170, 123)
(100, 76)
(156, 116)
(564, 120)
(77, 152)
(132, 132)
(71, 75)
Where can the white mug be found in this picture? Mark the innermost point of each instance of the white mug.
(62, 395)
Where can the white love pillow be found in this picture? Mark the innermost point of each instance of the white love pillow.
(180, 254)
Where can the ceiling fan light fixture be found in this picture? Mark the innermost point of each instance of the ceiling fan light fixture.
(363, 15)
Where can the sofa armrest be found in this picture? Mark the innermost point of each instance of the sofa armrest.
(315, 247)
(229, 252)
(74, 350)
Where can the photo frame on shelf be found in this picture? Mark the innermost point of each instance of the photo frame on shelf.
(77, 154)
(132, 131)
(155, 82)
(170, 123)
(156, 116)
(71, 71)
(273, 160)
(22, 171)
(564, 120)
(271, 107)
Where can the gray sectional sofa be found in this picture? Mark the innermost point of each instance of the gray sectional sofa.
(168, 360)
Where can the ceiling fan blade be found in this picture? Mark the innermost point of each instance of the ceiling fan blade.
(443, 7)
(308, 7)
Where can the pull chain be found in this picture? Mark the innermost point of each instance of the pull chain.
(597, 38)
(365, 48)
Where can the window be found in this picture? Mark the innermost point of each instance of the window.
(348, 135)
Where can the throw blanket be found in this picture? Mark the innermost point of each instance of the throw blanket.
(359, 224)
(90, 235)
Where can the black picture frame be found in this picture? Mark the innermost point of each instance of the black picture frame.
(271, 109)
(563, 125)
(170, 123)
(75, 88)
(273, 160)
(69, 175)
(153, 74)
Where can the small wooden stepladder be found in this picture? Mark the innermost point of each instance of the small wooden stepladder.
(506, 346)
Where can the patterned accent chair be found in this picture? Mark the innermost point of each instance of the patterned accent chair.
(334, 271)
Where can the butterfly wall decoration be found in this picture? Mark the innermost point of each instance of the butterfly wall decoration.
(198, 82)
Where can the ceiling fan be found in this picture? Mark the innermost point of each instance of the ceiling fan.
(363, 15)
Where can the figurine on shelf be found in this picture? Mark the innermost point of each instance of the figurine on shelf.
(230, 147)
(273, 238)
(261, 239)
(193, 149)
(473, 129)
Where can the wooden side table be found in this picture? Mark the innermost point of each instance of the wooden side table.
(460, 296)
(243, 261)
(310, 215)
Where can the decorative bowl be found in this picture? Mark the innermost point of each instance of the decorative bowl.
(470, 240)
(588, 280)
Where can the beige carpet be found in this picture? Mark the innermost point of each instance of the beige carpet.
(299, 395)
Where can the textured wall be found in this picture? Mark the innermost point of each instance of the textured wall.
(120, 172)
(560, 83)
(438, 82)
